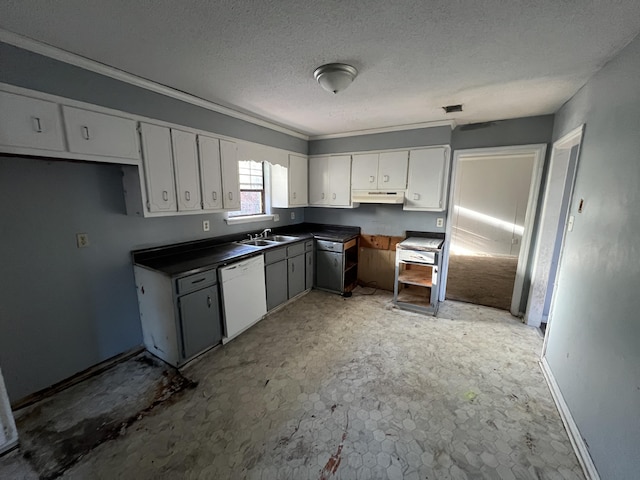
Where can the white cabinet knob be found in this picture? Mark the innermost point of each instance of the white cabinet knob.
(372, 179)
(385, 178)
(416, 196)
(215, 196)
(165, 195)
(187, 196)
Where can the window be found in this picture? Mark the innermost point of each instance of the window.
(252, 201)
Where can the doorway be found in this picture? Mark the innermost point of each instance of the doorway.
(555, 210)
(493, 197)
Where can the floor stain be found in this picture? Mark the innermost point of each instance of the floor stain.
(333, 463)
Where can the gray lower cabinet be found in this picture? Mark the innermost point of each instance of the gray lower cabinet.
(275, 275)
(308, 282)
(329, 270)
(199, 320)
(296, 275)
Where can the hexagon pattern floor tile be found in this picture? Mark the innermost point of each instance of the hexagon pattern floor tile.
(336, 388)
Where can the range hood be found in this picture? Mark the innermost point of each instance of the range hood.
(377, 196)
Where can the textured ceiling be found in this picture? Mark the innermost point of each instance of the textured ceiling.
(500, 59)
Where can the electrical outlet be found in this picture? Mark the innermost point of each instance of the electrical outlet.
(82, 240)
(206, 225)
(276, 217)
(293, 215)
(440, 222)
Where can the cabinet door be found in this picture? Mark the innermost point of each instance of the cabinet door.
(230, 176)
(308, 270)
(392, 170)
(296, 275)
(30, 123)
(364, 171)
(210, 173)
(340, 180)
(96, 133)
(319, 181)
(200, 321)
(428, 170)
(158, 168)
(185, 159)
(298, 180)
(329, 270)
(276, 280)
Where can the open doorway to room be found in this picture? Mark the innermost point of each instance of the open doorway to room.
(493, 199)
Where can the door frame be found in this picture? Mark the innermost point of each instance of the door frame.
(538, 151)
(568, 141)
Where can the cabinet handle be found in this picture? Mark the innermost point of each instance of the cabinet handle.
(165, 195)
(294, 195)
(334, 196)
(385, 178)
(187, 196)
(310, 260)
(230, 195)
(209, 301)
(85, 132)
(293, 267)
(322, 196)
(215, 196)
(416, 196)
(37, 126)
(335, 262)
(372, 179)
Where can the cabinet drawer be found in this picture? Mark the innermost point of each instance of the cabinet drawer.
(416, 256)
(194, 282)
(329, 246)
(308, 245)
(96, 133)
(275, 255)
(30, 123)
(297, 249)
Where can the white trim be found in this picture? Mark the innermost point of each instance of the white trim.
(8, 431)
(579, 446)
(397, 128)
(569, 140)
(248, 219)
(538, 151)
(56, 53)
(379, 150)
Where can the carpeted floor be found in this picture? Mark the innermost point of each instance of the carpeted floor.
(481, 280)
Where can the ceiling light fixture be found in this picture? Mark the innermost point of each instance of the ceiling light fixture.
(335, 77)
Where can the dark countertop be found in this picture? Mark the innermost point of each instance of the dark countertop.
(193, 257)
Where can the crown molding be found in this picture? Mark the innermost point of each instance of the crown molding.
(56, 53)
(397, 128)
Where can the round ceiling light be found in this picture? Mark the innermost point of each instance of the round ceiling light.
(335, 77)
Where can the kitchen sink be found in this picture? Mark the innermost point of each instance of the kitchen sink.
(281, 238)
(258, 242)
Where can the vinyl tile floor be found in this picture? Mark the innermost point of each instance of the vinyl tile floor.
(353, 388)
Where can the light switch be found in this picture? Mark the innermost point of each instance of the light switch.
(293, 215)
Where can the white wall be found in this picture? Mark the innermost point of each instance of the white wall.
(594, 335)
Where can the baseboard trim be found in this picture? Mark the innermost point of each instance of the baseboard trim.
(579, 446)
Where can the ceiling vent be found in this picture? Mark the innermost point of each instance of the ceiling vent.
(452, 108)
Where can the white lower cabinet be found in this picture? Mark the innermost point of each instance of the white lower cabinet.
(428, 177)
(94, 133)
(330, 181)
(30, 123)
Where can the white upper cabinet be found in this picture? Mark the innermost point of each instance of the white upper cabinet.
(289, 183)
(100, 134)
(158, 168)
(230, 175)
(185, 159)
(380, 171)
(340, 180)
(318, 181)
(210, 172)
(428, 178)
(30, 123)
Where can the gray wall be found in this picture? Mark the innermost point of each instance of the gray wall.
(503, 133)
(37, 72)
(594, 333)
(64, 309)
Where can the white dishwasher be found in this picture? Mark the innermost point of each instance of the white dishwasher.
(244, 301)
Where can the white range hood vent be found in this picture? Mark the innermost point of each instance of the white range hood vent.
(377, 196)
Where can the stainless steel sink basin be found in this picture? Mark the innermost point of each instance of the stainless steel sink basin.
(281, 238)
(258, 242)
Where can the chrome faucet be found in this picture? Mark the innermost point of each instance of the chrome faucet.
(264, 233)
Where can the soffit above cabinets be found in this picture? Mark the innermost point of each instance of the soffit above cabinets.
(499, 59)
